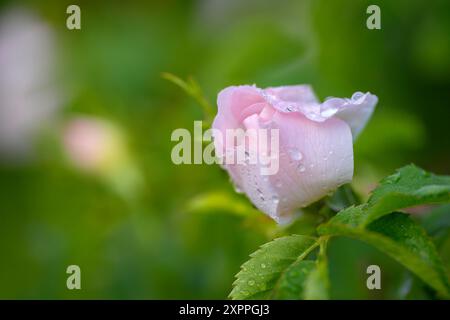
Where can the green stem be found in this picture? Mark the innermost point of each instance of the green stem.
(192, 88)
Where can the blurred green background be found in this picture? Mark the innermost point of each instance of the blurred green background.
(145, 228)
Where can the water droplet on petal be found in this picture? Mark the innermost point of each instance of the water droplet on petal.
(328, 112)
(301, 168)
(275, 200)
(356, 97)
(295, 154)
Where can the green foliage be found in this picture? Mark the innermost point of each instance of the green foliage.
(275, 269)
(409, 186)
(343, 197)
(401, 238)
(395, 233)
(219, 201)
(292, 282)
(157, 247)
(375, 222)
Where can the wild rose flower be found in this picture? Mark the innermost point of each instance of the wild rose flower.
(315, 143)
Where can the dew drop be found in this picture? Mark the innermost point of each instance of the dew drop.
(295, 154)
(357, 95)
(301, 168)
(251, 282)
(263, 266)
(275, 200)
(328, 112)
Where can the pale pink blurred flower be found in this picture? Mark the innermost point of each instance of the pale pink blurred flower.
(28, 94)
(98, 147)
(93, 144)
(315, 143)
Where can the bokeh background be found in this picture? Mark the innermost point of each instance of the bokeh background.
(86, 176)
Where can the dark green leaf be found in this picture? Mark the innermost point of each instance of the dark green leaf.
(409, 186)
(398, 236)
(291, 284)
(342, 198)
(273, 268)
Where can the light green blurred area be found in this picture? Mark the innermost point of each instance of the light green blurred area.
(184, 232)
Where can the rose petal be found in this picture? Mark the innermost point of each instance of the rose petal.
(356, 111)
(299, 99)
(315, 158)
(232, 101)
(316, 149)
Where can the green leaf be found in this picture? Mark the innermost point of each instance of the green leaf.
(342, 198)
(274, 268)
(221, 201)
(398, 236)
(291, 284)
(409, 186)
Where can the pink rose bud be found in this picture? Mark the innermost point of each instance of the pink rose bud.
(313, 151)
